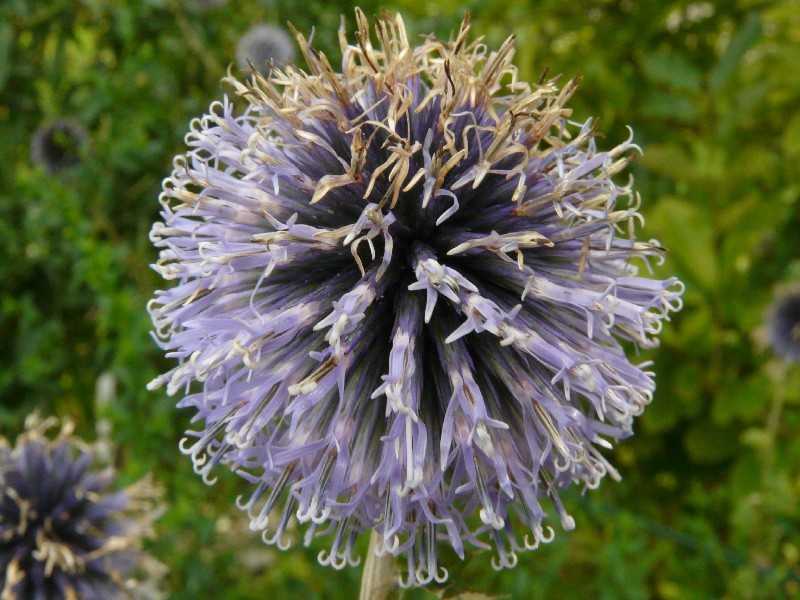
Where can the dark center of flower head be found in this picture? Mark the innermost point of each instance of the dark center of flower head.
(402, 289)
(61, 534)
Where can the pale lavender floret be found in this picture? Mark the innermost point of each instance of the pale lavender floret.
(399, 300)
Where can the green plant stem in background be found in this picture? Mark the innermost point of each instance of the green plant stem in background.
(778, 375)
(193, 39)
(772, 478)
(379, 571)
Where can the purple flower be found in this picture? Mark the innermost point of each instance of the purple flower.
(400, 295)
(63, 533)
(784, 327)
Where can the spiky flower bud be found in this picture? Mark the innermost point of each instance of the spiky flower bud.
(58, 145)
(264, 46)
(400, 295)
(784, 326)
(63, 532)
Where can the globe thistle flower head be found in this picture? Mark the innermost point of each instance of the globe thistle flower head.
(401, 292)
(264, 46)
(58, 145)
(784, 327)
(63, 532)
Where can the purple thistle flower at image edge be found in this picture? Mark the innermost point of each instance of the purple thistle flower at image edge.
(401, 292)
(784, 326)
(63, 532)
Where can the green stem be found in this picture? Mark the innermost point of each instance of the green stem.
(773, 422)
(212, 66)
(378, 576)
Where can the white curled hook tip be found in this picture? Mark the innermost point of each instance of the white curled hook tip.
(321, 516)
(561, 468)
(247, 506)
(388, 548)
(546, 539)
(276, 540)
(206, 477)
(527, 544)
(409, 582)
(506, 560)
(258, 522)
(332, 558)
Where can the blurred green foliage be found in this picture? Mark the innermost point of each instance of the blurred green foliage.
(708, 506)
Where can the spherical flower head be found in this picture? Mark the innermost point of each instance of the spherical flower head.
(401, 292)
(63, 532)
(264, 46)
(58, 145)
(784, 327)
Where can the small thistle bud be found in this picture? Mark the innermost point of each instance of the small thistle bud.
(63, 533)
(400, 292)
(58, 145)
(784, 327)
(264, 46)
